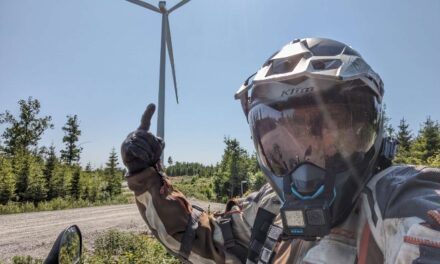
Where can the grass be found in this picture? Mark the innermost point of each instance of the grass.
(195, 186)
(60, 204)
(119, 247)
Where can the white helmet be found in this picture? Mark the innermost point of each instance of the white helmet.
(315, 58)
(315, 113)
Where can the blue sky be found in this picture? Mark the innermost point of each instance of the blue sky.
(100, 60)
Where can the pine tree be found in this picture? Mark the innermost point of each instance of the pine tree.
(95, 188)
(26, 130)
(427, 142)
(20, 165)
(7, 181)
(85, 182)
(89, 167)
(404, 135)
(57, 184)
(71, 154)
(405, 140)
(2, 148)
(232, 169)
(49, 171)
(36, 190)
(75, 186)
(114, 177)
(388, 128)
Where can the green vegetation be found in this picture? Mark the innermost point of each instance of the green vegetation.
(25, 131)
(34, 178)
(26, 260)
(236, 166)
(119, 247)
(188, 169)
(7, 180)
(195, 186)
(220, 182)
(71, 153)
(60, 204)
(114, 178)
(124, 247)
(423, 149)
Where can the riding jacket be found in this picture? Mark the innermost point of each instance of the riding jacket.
(396, 220)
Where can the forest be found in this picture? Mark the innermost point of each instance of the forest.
(33, 176)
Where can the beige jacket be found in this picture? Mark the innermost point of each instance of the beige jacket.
(396, 220)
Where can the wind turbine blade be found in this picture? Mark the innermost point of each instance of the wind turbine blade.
(146, 5)
(170, 53)
(178, 5)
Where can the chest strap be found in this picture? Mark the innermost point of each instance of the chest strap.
(230, 243)
(260, 232)
(273, 235)
(190, 232)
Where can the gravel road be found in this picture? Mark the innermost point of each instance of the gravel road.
(34, 233)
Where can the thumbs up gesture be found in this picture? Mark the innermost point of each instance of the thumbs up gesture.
(141, 149)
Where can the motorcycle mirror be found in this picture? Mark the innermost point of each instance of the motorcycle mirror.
(67, 248)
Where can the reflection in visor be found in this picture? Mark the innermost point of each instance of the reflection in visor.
(328, 130)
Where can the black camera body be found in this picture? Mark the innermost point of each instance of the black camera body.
(305, 219)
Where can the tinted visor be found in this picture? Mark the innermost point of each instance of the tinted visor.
(332, 129)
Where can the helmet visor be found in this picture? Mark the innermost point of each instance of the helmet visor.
(332, 129)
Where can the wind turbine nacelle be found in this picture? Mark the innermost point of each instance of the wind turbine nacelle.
(162, 5)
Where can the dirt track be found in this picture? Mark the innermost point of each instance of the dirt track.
(33, 233)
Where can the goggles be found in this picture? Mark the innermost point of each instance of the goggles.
(330, 129)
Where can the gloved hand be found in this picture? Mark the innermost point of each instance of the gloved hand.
(141, 149)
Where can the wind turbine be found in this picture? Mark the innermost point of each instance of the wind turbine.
(165, 43)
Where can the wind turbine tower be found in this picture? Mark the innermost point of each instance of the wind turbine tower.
(164, 44)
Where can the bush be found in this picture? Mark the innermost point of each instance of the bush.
(193, 186)
(124, 247)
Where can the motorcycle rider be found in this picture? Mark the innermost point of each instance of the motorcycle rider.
(315, 113)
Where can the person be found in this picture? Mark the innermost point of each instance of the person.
(315, 113)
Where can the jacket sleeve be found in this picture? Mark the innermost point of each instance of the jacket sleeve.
(168, 214)
(404, 214)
